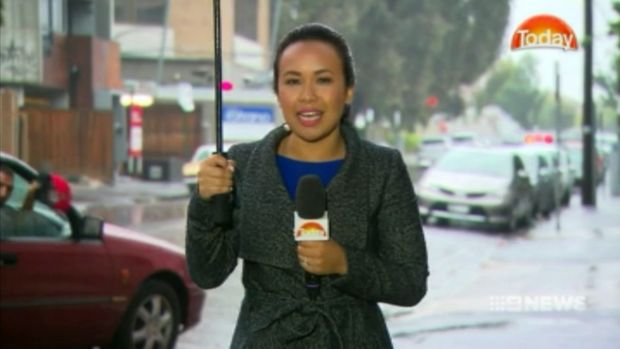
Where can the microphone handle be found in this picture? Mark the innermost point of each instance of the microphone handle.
(313, 284)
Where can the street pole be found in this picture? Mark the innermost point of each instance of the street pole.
(588, 192)
(558, 115)
(162, 48)
(276, 27)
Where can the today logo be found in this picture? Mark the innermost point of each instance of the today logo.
(311, 230)
(544, 31)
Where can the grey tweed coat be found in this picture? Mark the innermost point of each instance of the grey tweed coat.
(373, 215)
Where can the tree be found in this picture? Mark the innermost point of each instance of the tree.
(615, 30)
(569, 113)
(474, 31)
(514, 87)
(408, 50)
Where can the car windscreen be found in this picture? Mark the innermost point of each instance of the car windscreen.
(202, 153)
(575, 155)
(462, 140)
(46, 222)
(485, 163)
(433, 142)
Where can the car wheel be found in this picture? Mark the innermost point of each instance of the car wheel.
(566, 198)
(442, 222)
(424, 219)
(152, 319)
(527, 220)
(512, 225)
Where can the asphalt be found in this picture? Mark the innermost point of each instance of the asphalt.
(130, 201)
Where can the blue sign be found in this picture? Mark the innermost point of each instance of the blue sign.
(248, 114)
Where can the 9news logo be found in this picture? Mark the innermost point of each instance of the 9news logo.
(544, 31)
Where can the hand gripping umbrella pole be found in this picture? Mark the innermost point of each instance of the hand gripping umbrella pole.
(222, 202)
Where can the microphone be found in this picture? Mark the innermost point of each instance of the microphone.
(311, 223)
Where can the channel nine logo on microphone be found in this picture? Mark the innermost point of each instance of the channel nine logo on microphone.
(544, 31)
(311, 230)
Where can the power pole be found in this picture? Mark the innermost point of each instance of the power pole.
(558, 116)
(162, 47)
(588, 189)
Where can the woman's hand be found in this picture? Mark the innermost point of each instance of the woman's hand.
(215, 176)
(322, 257)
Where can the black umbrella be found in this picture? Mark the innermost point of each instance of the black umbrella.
(223, 202)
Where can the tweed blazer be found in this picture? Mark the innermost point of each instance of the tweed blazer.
(374, 216)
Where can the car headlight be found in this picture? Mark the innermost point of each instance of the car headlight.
(500, 194)
(428, 189)
(190, 170)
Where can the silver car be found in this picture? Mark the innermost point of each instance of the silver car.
(477, 185)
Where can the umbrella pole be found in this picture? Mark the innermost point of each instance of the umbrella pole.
(217, 45)
(223, 202)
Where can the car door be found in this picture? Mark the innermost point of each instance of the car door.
(55, 291)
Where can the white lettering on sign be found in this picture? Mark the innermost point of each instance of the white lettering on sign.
(545, 39)
(251, 115)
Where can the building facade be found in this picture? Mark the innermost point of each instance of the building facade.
(82, 56)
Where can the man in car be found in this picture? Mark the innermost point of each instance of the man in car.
(6, 184)
(18, 222)
(7, 213)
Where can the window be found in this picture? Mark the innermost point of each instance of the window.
(140, 11)
(246, 13)
(51, 15)
(40, 222)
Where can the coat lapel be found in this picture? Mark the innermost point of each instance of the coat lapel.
(347, 195)
(267, 211)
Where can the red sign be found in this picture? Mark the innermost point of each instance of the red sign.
(135, 115)
(432, 101)
(135, 131)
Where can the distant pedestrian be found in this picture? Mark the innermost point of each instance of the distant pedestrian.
(376, 251)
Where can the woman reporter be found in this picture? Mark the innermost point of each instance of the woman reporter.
(376, 251)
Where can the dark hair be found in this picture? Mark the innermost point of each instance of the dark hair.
(7, 170)
(317, 32)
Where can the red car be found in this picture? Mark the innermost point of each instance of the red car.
(68, 281)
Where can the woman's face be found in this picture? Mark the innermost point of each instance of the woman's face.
(312, 90)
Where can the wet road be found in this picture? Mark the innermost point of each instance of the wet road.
(537, 288)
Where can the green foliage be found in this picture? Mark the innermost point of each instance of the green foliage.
(408, 50)
(570, 112)
(607, 103)
(615, 30)
(514, 87)
(412, 141)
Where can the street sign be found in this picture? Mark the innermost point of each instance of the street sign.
(135, 131)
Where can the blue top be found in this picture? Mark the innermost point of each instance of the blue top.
(292, 170)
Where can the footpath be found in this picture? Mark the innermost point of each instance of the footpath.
(132, 201)
(549, 286)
